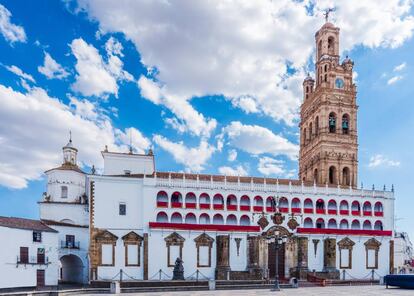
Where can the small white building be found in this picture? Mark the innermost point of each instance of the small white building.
(28, 256)
(403, 253)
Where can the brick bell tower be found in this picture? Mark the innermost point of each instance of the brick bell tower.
(328, 125)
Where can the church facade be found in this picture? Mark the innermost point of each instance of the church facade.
(132, 222)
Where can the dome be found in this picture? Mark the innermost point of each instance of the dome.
(308, 78)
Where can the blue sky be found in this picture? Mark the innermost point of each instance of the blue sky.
(211, 87)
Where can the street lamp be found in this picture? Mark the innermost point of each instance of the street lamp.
(278, 243)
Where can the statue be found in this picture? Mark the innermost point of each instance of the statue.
(178, 272)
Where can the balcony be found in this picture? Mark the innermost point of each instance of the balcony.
(32, 260)
(70, 244)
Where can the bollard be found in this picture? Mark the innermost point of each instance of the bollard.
(343, 274)
(160, 272)
(115, 287)
(211, 284)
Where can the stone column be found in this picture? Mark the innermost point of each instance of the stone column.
(145, 256)
(302, 267)
(253, 256)
(391, 256)
(222, 257)
(329, 258)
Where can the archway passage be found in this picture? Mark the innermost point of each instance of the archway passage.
(71, 270)
(271, 261)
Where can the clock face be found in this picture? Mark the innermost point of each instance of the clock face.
(339, 83)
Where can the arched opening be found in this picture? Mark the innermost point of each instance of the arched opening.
(71, 270)
(332, 224)
(244, 203)
(162, 199)
(367, 209)
(176, 200)
(310, 131)
(355, 225)
(367, 225)
(346, 180)
(307, 223)
(332, 175)
(218, 202)
(331, 45)
(258, 204)
(378, 225)
(326, 68)
(305, 136)
(283, 205)
(332, 207)
(315, 175)
(218, 219)
(295, 206)
(317, 125)
(320, 206)
(231, 220)
(204, 201)
(162, 217)
(176, 218)
(231, 202)
(204, 219)
(355, 208)
(270, 204)
(320, 223)
(190, 218)
(332, 122)
(245, 220)
(378, 209)
(344, 224)
(319, 48)
(345, 124)
(308, 206)
(344, 208)
(190, 200)
(326, 78)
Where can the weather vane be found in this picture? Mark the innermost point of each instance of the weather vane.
(326, 14)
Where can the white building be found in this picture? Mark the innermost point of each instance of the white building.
(28, 256)
(403, 253)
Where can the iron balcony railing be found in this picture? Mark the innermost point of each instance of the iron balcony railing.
(70, 244)
(33, 260)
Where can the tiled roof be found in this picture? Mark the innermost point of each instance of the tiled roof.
(22, 223)
(57, 223)
(68, 167)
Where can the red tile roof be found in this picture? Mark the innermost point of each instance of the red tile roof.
(22, 223)
(57, 223)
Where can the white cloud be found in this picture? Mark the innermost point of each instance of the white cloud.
(84, 108)
(188, 118)
(138, 141)
(95, 76)
(11, 32)
(394, 79)
(34, 128)
(193, 158)
(270, 166)
(379, 160)
(16, 70)
(257, 140)
(190, 54)
(232, 155)
(400, 67)
(52, 69)
(229, 171)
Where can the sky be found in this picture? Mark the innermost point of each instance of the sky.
(209, 86)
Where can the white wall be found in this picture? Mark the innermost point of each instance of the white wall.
(77, 213)
(117, 163)
(21, 275)
(74, 181)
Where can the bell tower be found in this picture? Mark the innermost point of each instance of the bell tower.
(328, 124)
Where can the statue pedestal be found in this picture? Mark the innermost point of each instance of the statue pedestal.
(178, 275)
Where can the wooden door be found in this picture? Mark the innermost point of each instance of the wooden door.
(40, 278)
(271, 263)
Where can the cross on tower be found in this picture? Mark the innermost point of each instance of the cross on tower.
(326, 14)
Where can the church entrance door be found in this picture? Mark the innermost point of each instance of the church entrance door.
(271, 263)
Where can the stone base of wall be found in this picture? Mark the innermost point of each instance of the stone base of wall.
(329, 274)
(222, 273)
(299, 273)
(251, 274)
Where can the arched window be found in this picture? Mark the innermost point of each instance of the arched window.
(162, 199)
(317, 125)
(231, 202)
(308, 206)
(310, 131)
(305, 136)
(244, 203)
(218, 219)
(295, 206)
(320, 206)
(231, 220)
(378, 225)
(190, 218)
(345, 124)
(307, 223)
(204, 201)
(367, 209)
(344, 208)
(332, 175)
(245, 220)
(332, 122)
(258, 204)
(315, 176)
(270, 204)
(204, 219)
(218, 202)
(344, 224)
(190, 200)
(378, 209)
(332, 224)
(162, 217)
(326, 68)
(326, 78)
(367, 225)
(64, 191)
(319, 47)
(176, 218)
(320, 223)
(283, 205)
(355, 208)
(355, 225)
(176, 200)
(331, 45)
(346, 180)
(332, 207)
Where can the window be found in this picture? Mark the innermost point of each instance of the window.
(132, 254)
(332, 175)
(107, 254)
(346, 176)
(40, 255)
(332, 122)
(37, 236)
(122, 209)
(64, 191)
(345, 124)
(24, 255)
(70, 241)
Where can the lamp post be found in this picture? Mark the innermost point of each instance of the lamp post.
(278, 243)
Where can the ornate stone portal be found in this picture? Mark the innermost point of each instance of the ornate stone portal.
(223, 255)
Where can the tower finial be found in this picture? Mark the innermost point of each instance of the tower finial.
(326, 14)
(70, 136)
(130, 142)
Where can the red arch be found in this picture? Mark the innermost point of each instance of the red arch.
(355, 208)
(162, 199)
(308, 206)
(204, 219)
(245, 203)
(176, 218)
(190, 200)
(176, 199)
(378, 209)
(231, 219)
(218, 219)
(245, 220)
(269, 202)
(231, 202)
(162, 217)
(344, 207)
(218, 202)
(367, 209)
(204, 204)
(258, 204)
(295, 206)
(283, 205)
(190, 218)
(332, 207)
